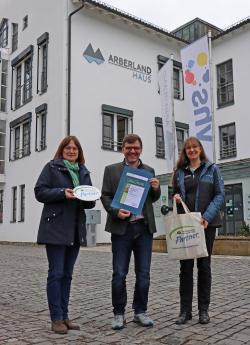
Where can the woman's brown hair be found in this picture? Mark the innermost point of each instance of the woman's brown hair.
(64, 143)
(183, 159)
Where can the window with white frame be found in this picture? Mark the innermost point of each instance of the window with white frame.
(225, 85)
(227, 141)
(2, 145)
(13, 204)
(42, 63)
(22, 203)
(181, 135)
(3, 90)
(14, 39)
(182, 130)
(4, 33)
(116, 123)
(20, 132)
(160, 146)
(41, 120)
(22, 78)
(1, 205)
(178, 86)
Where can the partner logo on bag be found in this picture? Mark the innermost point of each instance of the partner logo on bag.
(184, 234)
(91, 56)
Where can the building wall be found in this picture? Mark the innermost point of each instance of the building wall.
(93, 85)
(232, 47)
(41, 18)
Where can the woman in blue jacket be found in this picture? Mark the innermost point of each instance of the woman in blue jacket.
(62, 226)
(199, 184)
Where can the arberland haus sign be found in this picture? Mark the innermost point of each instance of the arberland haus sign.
(140, 72)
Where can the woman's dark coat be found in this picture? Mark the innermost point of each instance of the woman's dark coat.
(210, 194)
(62, 220)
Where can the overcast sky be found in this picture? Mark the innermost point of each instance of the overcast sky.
(170, 14)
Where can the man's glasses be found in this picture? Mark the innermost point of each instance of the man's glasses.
(130, 148)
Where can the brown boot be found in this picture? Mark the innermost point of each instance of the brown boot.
(58, 326)
(71, 325)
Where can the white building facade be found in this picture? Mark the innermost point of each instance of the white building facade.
(84, 68)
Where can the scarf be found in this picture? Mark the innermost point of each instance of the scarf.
(73, 169)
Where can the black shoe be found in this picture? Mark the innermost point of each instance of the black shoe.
(183, 317)
(204, 317)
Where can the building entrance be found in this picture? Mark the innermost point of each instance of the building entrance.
(233, 210)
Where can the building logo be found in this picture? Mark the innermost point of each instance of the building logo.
(139, 71)
(91, 56)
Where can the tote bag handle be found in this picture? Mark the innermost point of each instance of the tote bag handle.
(186, 209)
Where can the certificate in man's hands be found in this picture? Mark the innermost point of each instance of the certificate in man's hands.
(132, 190)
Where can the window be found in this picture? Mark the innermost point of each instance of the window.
(182, 130)
(116, 123)
(2, 145)
(22, 78)
(42, 62)
(181, 135)
(25, 22)
(160, 146)
(41, 119)
(1, 206)
(3, 91)
(178, 86)
(20, 137)
(14, 204)
(4, 33)
(225, 86)
(14, 36)
(227, 141)
(27, 90)
(22, 203)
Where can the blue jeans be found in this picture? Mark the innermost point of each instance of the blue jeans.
(139, 240)
(61, 264)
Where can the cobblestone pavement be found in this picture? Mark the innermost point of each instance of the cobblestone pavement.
(24, 316)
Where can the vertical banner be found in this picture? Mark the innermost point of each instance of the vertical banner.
(196, 75)
(167, 113)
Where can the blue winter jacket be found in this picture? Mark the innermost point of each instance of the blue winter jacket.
(62, 220)
(210, 194)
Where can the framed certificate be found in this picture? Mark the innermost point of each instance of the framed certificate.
(132, 190)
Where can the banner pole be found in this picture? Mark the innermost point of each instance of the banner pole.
(211, 92)
(173, 115)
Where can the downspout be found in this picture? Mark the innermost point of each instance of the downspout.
(69, 65)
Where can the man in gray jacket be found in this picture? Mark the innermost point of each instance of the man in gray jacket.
(130, 233)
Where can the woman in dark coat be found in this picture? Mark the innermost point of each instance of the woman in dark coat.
(199, 184)
(62, 226)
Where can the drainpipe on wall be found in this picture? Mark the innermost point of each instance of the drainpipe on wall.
(69, 65)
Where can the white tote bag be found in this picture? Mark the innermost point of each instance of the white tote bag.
(185, 235)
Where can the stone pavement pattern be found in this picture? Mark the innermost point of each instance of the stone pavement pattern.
(24, 316)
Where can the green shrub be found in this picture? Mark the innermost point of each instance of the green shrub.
(244, 230)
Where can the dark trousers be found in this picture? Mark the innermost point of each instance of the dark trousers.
(61, 264)
(204, 280)
(138, 240)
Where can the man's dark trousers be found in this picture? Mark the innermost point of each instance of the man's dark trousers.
(138, 240)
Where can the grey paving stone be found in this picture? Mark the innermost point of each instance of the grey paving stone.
(25, 320)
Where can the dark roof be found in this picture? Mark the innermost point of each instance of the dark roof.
(132, 18)
(233, 27)
(196, 20)
(120, 13)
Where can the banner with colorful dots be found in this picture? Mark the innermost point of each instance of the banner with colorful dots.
(197, 92)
